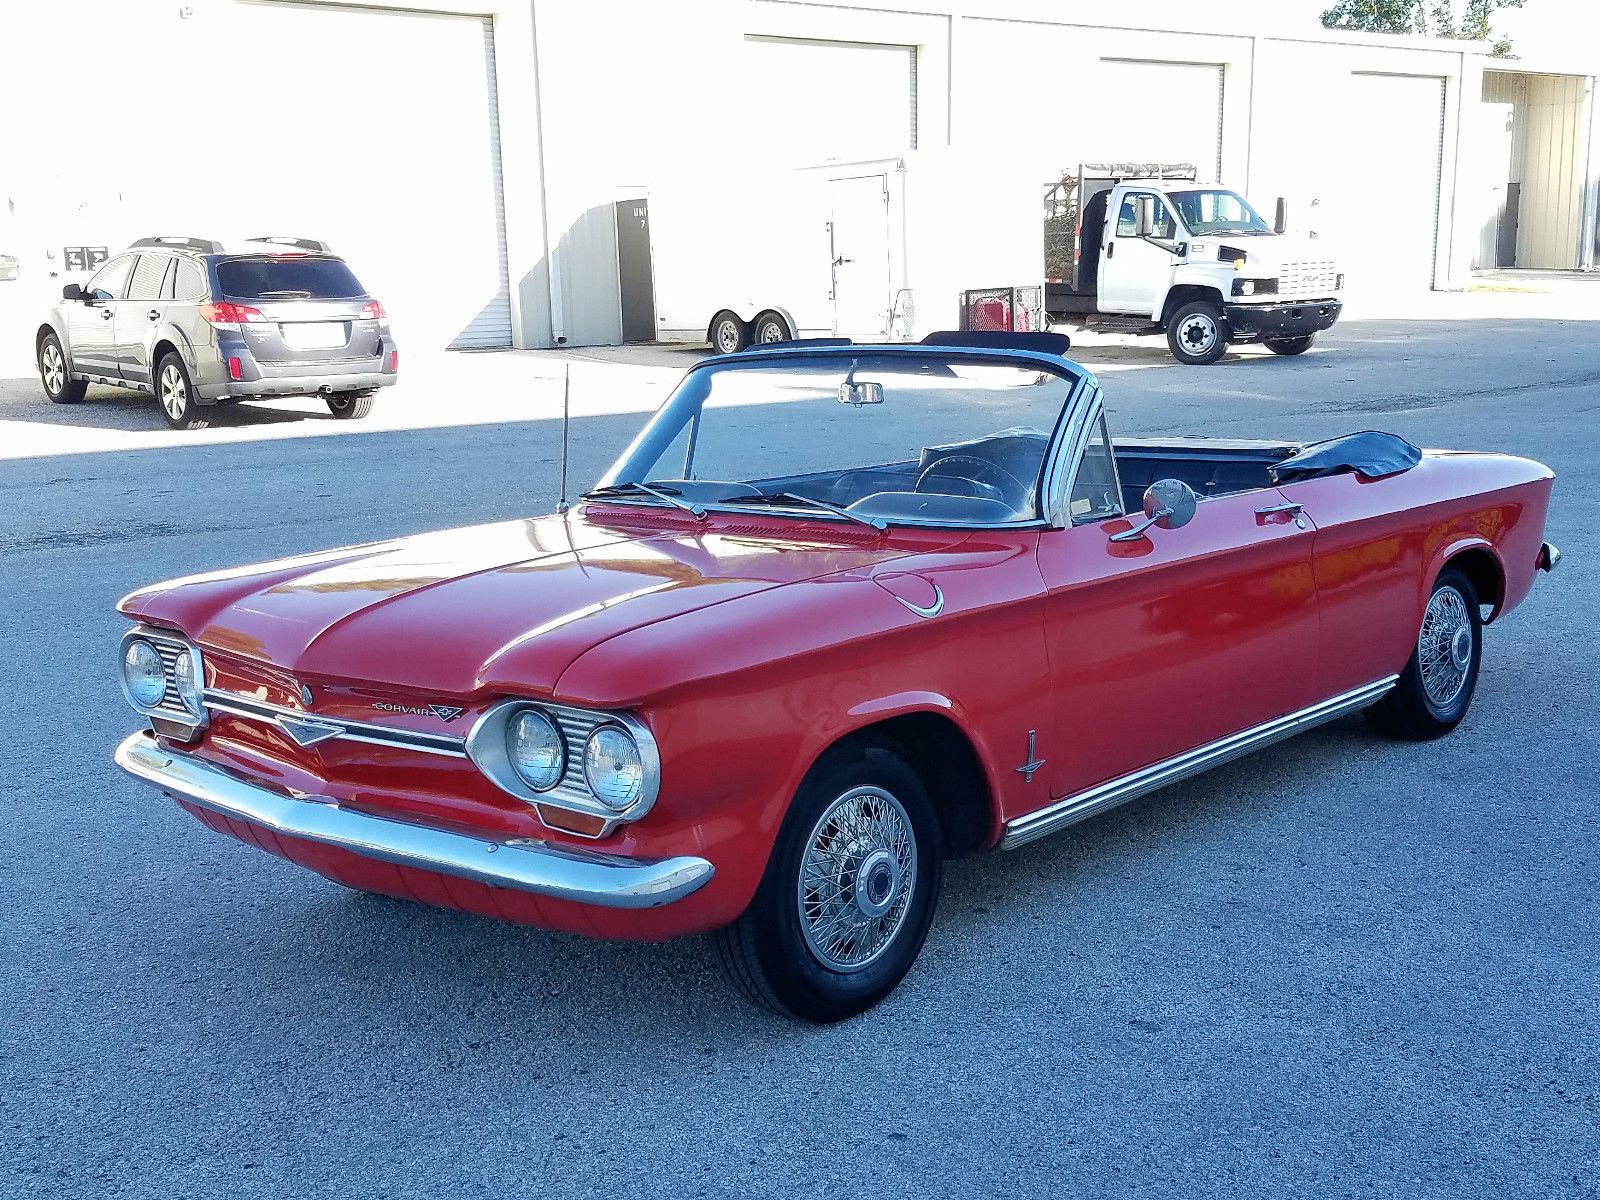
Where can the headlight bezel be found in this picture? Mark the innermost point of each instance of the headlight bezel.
(486, 747)
(179, 712)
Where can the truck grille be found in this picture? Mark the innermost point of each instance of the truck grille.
(1306, 280)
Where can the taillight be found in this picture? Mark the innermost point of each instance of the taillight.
(226, 313)
(394, 360)
(373, 311)
(235, 369)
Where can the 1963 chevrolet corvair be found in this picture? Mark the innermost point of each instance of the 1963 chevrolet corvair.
(838, 613)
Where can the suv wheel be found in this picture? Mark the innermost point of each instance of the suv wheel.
(55, 375)
(176, 394)
(350, 406)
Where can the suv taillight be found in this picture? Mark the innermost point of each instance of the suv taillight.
(230, 314)
(373, 311)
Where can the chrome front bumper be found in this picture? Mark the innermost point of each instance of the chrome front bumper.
(522, 864)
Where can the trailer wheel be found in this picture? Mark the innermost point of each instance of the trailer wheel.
(1197, 334)
(771, 327)
(728, 334)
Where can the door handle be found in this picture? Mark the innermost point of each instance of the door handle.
(1290, 508)
(1111, 250)
(105, 314)
(154, 314)
(841, 260)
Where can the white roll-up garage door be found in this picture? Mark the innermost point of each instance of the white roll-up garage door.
(853, 100)
(378, 131)
(1157, 112)
(1384, 216)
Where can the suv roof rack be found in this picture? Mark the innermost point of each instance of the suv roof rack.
(314, 245)
(203, 245)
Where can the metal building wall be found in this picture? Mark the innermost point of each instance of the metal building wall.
(1548, 158)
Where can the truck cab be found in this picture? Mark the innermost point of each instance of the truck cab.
(1156, 251)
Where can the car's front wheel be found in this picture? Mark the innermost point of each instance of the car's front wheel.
(1197, 335)
(1435, 690)
(54, 373)
(848, 894)
(176, 394)
(1294, 345)
(350, 406)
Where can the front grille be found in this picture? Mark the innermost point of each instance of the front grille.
(1307, 280)
(171, 704)
(576, 726)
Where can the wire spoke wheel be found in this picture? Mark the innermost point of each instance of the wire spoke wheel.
(1445, 646)
(857, 877)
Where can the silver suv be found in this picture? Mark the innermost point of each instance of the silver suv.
(197, 325)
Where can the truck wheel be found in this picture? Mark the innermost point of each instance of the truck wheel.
(350, 406)
(848, 894)
(1435, 690)
(771, 327)
(176, 394)
(729, 335)
(1197, 334)
(1294, 345)
(54, 374)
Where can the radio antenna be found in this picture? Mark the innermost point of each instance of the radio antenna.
(566, 428)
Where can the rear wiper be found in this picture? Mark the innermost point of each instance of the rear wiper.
(630, 488)
(810, 502)
(285, 294)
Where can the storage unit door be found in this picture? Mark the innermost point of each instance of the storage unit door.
(852, 100)
(1157, 112)
(1384, 219)
(376, 131)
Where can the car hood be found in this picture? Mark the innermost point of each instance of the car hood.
(502, 607)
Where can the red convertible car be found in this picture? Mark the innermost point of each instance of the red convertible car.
(838, 613)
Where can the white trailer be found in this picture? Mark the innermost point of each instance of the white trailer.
(881, 250)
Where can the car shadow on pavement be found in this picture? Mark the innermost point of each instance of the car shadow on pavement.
(23, 399)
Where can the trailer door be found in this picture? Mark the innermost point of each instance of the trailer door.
(863, 301)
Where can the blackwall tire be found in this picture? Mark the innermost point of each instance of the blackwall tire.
(1436, 688)
(1197, 334)
(728, 334)
(350, 406)
(770, 327)
(848, 894)
(55, 373)
(1294, 345)
(176, 395)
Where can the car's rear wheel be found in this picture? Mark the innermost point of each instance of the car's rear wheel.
(729, 334)
(55, 374)
(1197, 335)
(1435, 690)
(771, 327)
(350, 406)
(848, 894)
(1294, 345)
(176, 394)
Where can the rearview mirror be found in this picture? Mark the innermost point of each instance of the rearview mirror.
(72, 291)
(1144, 216)
(1280, 221)
(1168, 504)
(857, 394)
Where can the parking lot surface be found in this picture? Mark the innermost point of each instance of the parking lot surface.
(1343, 967)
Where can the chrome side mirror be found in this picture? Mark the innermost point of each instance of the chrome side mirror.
(1168, 504)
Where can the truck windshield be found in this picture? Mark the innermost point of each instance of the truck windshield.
(896, 437)
(1213, 210)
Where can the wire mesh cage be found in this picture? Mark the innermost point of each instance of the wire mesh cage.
(1003, 310)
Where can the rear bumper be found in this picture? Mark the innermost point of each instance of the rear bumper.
(520, 865)
(213, 382)
(1247, 321)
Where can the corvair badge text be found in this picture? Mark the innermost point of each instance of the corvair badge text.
(444, 712)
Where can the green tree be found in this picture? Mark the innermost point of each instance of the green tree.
(1468, 19)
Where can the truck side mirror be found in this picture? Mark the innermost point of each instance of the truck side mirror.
(1280, 222)
(1144, 216)
(72, 291)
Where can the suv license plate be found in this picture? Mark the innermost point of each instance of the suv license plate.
(318, 335)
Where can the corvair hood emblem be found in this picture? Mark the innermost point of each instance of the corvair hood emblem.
(445, 712)
(308, 731)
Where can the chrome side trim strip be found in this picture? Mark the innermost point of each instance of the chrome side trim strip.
(522, 864)
(307, 728)
(1097, 799)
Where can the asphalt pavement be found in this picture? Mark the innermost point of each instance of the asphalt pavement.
(1343, 967)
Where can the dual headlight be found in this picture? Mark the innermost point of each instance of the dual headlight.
(1255, 287)
(527, 750)
(163, 676)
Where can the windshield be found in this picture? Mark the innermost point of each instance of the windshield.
(882, 437)
(1215, 211)
(297, 276)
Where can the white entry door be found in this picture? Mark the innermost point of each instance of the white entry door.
(863, 300)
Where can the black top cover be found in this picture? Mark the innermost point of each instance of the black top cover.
(1371, 454)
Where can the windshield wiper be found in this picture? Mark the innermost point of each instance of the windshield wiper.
(631, 488)
(809, 501)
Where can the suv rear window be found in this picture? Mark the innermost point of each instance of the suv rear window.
(268, 278)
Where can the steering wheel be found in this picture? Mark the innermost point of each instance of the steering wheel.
(1002, 485)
